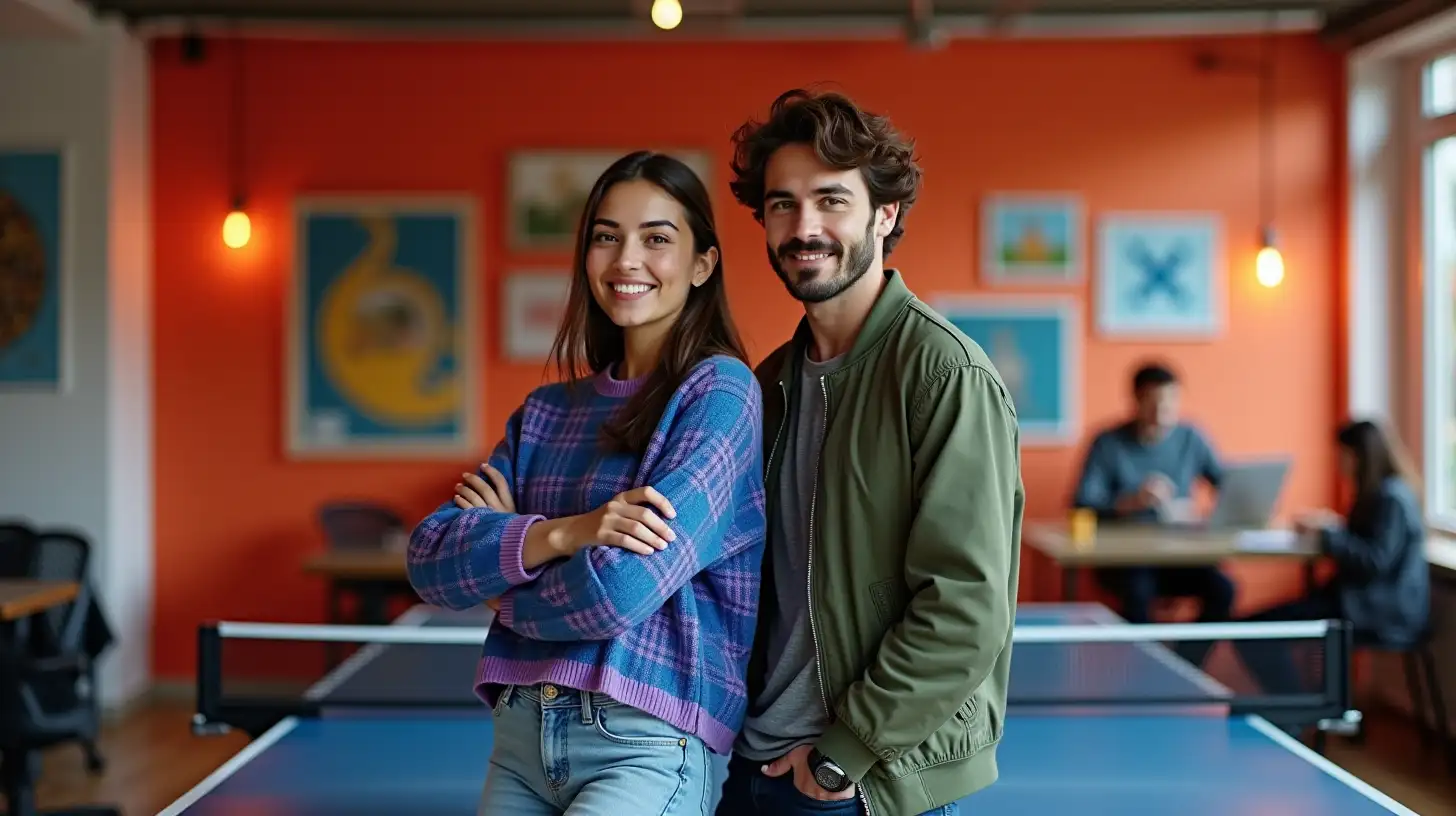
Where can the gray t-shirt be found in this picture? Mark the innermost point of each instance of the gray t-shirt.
(1118, 463)
(791, 712)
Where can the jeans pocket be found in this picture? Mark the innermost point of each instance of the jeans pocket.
(502, 700)
(626, 725)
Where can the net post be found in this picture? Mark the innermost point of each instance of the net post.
(1339, 655)
(208, 718)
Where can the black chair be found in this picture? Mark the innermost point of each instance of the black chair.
(47, 675)
(358, 525)
(26, 729)
(74, 635)
(16, 546)
(1428, 705)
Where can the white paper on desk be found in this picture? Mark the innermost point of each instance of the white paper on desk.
(1267, 540)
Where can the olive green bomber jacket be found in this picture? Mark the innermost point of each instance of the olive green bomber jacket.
(914, 553)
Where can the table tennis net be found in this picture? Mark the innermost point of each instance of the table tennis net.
(1296, 672)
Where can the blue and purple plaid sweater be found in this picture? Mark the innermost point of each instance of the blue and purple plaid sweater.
(668, 633)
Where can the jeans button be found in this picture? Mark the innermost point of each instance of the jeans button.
(549, 692)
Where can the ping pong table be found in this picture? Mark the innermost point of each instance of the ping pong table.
(355, 756)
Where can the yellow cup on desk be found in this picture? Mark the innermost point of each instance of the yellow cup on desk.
(1083, 527)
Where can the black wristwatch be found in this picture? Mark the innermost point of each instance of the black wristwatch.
(830, 777)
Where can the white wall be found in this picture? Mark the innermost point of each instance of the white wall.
(82, 458)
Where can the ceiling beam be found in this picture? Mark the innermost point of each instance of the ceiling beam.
(1376, 19)
(173, 17)
(44, 19)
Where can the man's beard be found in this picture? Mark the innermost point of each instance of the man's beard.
(849, 269)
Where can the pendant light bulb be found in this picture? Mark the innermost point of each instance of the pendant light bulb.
(237, 228)
(666, 14)
(1269, 265)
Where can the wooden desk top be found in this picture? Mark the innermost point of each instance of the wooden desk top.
(1151, 545)
(385, 565)
(21, 597)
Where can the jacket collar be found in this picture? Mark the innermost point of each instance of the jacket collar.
(888, 305)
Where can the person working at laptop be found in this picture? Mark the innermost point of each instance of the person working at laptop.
(1382, 582)
(1144, 470)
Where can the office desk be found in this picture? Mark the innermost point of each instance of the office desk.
(1147, 545)
(373, 576)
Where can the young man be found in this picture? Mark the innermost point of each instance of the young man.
(893, 475)
(1144, 469)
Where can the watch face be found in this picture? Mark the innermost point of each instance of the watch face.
(829, 779)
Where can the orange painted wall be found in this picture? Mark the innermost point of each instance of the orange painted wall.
(1130, 125)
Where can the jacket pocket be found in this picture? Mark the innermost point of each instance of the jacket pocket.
(962, 736)
(889, 597)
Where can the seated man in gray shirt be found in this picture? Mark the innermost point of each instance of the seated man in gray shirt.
(1144, 470)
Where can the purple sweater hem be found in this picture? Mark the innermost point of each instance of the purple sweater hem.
(495, 672)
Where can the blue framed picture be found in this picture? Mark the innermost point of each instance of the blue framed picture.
(32, 257)
(1031, 239)
(1035, 343)
(383, 334)
(1161, 276)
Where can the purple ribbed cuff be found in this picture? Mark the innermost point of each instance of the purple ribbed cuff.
(512, 545)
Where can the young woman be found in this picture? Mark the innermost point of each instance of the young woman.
(1381, 583)
(619, 525)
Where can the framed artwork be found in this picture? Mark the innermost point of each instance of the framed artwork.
(382, 339)
(1035, 343)
(33, 255)
(1031, 239)
(548, 190)
(531, 312)
(1161, 275)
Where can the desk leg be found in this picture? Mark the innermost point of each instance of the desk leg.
(373, 603)
(1071, 584)
(333, 652)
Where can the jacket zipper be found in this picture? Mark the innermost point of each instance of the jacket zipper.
(813, 514)
(778, 434)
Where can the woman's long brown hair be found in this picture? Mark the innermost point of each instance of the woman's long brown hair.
(1378, 456)
(588, 342)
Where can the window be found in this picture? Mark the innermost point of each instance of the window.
(1438, 91)
(1439, 329)
(1437, 143)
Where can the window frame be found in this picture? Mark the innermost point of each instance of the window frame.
(1388, 355)
(1429, 342)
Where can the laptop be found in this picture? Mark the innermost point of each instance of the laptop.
(1246, 499)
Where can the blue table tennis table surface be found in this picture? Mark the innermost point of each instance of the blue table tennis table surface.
(1086, 762)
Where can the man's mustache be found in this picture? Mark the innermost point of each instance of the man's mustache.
(794, 245)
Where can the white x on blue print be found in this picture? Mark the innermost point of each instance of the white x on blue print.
(1159, 274)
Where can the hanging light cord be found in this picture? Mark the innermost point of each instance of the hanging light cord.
(1266, 128)
(237, 137)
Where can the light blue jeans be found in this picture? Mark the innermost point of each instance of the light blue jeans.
(559, 751)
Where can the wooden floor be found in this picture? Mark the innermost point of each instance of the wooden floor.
(153, 758)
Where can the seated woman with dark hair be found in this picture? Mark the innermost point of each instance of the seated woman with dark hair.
(1381, 583)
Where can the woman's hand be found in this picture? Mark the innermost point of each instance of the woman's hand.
(623, 522)
(477, 492)
(1316, 520)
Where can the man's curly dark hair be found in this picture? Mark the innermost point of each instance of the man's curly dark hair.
(843, 136)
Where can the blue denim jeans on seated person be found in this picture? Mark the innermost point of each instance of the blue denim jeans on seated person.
(558, 751)
(749, 792)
